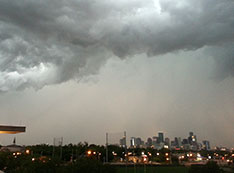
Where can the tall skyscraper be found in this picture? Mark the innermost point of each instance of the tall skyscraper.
(149, 142)
(138, 142)
(161, 137)
(179, 142)
(122, 142)
(192, 138)
(185, 141)
(132, 142)
(206, 145)
(167, 142)
(176, 142)
(155, 140)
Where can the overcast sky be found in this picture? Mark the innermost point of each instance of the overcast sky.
(80, 68)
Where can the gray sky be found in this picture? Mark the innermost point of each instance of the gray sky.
(80, 68)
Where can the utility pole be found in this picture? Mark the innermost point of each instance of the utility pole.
(61, 148)
(126, 151)
(53, 148)
(106, 147)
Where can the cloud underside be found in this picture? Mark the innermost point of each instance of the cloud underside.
(48, 42)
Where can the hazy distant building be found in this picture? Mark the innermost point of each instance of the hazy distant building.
(167, 142)
(173, 144)
(155, 140)
(200, 146)
(192, 138)
(160, 137)
(149, 142)
(122, 142)
(185, 141)
(138, 142)
(206, 145)
(133, 142)
(185, 144)
(177, 142)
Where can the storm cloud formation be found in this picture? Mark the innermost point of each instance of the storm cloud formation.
(48, 42)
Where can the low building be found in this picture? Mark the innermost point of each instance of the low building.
(13, 148)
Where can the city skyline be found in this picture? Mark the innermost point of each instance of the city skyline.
(166, 141)
(190, 142)
(81, 68)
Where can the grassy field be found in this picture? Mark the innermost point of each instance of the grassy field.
(150, 169)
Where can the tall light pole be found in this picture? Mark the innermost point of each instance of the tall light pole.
(106, 147)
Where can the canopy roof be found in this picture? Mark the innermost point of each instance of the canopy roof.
(6, 129)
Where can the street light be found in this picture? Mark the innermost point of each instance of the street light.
(89, 152)
(27, 151)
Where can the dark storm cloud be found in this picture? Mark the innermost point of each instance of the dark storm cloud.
(45, 42)
(224, 56)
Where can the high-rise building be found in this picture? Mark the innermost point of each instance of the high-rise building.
(149, 142)
(206, 145)
(138, 142)
(179, 142)
(160, 137)
(173, 144)
(133, 142)
(176, 142)
(185, 144)
(155, 140)
(185, 141)
(122, 142)
(167, 142)
(192, 138)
